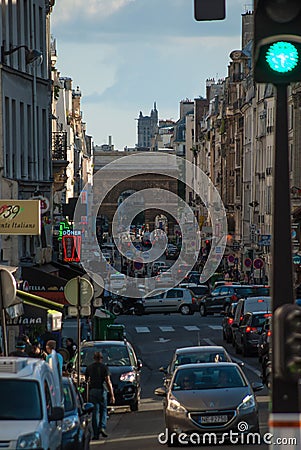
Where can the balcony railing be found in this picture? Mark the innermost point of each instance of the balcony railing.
(59, 145)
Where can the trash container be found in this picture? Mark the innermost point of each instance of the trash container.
(102, 318)
(115, 332)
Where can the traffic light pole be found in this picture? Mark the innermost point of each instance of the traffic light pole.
(284, 418)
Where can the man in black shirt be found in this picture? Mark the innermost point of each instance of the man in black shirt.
(97, 374)
(20, 350)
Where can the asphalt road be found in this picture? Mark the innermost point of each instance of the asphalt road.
(155, 337)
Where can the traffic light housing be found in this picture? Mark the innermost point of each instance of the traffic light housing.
(209, 10)
(277, 41)
(287, 342)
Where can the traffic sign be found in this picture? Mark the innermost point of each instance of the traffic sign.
(8, 288)
(129, 254)
(248, 262)
(231, 259)
(138, 264)
(264, 239)
(258, 263)
(71, 291)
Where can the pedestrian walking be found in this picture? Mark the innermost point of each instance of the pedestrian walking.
(50, 346)
(71, 347)
(97, 374)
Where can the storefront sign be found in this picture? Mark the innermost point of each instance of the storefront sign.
(20, 217)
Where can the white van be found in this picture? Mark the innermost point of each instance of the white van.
(251, 304)
(117, 281)
(31, 410)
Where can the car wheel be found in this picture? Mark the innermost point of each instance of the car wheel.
(116, 309)
(134, 406)
(139, 310)
(185, 310)
(203, 311)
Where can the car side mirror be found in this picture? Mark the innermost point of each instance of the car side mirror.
(257, 386)
(161, 392)
(57, 413)
(87, 408)
(139, 364)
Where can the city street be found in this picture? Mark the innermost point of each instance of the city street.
(155, 337)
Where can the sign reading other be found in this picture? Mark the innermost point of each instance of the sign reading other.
(20, 217)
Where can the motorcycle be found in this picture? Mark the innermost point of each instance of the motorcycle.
(126, 305)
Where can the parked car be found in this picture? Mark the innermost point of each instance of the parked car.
(228, 320)
(174, 300)
(223, 295)
(209, 398)
(31, 411)
(76, 427)
(192, 355)
(125, 368)
(155, 266)
(246, 335)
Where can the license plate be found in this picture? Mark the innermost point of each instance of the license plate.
(213, 419)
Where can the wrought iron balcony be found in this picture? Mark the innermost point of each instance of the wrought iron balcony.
(59, 145)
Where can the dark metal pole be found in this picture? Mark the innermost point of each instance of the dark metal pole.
(284, 392)
(3, 319)
(78, 305)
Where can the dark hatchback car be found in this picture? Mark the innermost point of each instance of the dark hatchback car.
(76, 426)
(248, 332)
(228, 320)
(124, 368)
(221, 296)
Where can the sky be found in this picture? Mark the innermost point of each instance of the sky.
(127, 54)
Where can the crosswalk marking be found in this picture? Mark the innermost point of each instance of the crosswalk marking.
(192, 328)
(142, 329)
(215, 327)
(166, 328)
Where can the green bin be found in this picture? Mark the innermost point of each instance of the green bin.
(115, 332)
(101, 320)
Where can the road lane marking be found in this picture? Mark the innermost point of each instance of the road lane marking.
(142, 329)
(166, 329)
(237, 360)
(215, 327)
(192, 328)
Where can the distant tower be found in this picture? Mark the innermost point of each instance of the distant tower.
(147, 127)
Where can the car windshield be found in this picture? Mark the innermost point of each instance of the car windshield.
(113, 355)
(200, 357)
(68, 398)
(219, 377)
(20, 400)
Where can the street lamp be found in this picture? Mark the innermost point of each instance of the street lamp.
(31, 55)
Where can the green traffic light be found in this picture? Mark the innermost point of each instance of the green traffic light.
(282, 57)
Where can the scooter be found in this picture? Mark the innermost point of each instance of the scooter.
(126, 305)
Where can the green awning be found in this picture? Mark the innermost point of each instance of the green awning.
(40, 302)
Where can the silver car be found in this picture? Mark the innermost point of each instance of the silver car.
(209, 398)
(173, 300)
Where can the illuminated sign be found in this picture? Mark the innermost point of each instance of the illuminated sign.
(71, 248)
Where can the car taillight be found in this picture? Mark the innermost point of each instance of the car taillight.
(269, 333)
(193, 299)
(230, 320)
(233, 297)
(250, 329)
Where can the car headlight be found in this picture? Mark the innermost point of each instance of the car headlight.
(28, 441)
(69, 423)
(174, 405)
(248, 402)
(128, 376)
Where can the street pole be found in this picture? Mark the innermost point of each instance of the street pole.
(3, 319)
(78, 305)
(284, 418)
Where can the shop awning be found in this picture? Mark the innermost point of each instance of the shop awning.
(40, 302)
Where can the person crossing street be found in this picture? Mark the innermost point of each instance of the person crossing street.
(96, 375)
